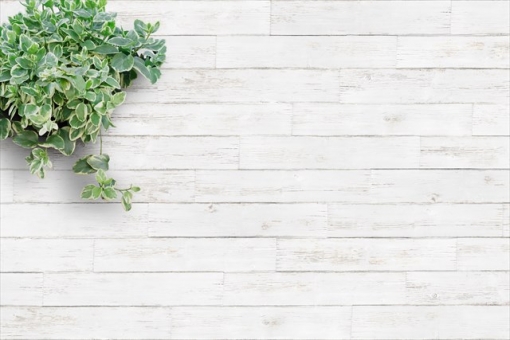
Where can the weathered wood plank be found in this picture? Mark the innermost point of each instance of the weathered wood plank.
(202, 120)
(21, 289)
(306, 52)
(431, 220)
(133, 289)
(314, 288)
(440, 186)
(365, 254)
(85, 323)
(506, 220)
(353, 17)
(381, 120)
(190, 52)
(446, 86)
(430, 322)
(491, 120)
(483, 254)
(480, 17)
(261, 322)
(457, 288)
(455, 52)
(282, 186)
(95, 221)
(329, 152)
(197, 17)
(6, 184)
(465, 152)
(160, 255)
(50, 255)
(65, 186)
(237, 220)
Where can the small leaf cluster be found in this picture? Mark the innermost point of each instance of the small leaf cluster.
(63, 67)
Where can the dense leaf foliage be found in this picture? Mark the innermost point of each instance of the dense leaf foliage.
(63, 65)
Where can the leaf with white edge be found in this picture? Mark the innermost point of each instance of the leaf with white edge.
(55, 142)
(87, 192)
(112, 82)
(101, 177)
(106, 49)
(119, 98)
(109, 193)
(139, 65)
(126, 201)
(119, 41)
(27, 139)
(69, 145)
(81, 112)
(28, 110)
(81, 167)
(99, 162)
(122, 62)
(135, 189)
(5, 128)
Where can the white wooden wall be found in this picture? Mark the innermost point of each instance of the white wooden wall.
(310, 170)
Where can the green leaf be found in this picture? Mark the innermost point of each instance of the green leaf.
(122, 62)
(139, 65)
(75, 134)
(54, 141)
(95, 118)
(76, 123)
(82, 167)
(99, 162)
(109, 193)
(28, 110)
(69, 145)
(119, 98)
(87, 192)
(81, 112)
(26, 139)
(101, 177)
(126, 201)
(5, 128)
(140, 28)
(112, 82)
(106, 49)
(119, 41)
(135, 189)
(30, 91)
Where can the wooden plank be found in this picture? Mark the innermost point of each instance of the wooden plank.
(7, 185)
(483, 254)
(313, 289)
(95, 221)
(434, 86)
(431, 220)
(506, 220)
(190, 52)
(237, 220)
(329, 152)
(197, 17)
(85, 322)
(51, 255)
(480, 17)
(133, 289)
(261, 322)
(160, 255)
(21, 289)
(381, 120)
(353, 17)
(202, 120)
(282, 186)
(491, 120)
(430, 322)
(455, 52)
(305, 52)
(65, 186)
(440, 186)
(365, 254)
(457, 288)
(465, 152)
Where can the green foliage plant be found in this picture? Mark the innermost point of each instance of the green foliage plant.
(63, 67)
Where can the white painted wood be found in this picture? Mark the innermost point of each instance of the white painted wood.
(491, 120)
(314, 288)
(431, 220)
(465, 152)
(480, 17)
(237, 220)
(96, 221)
(430, 322)
(133, 289)
(483, 254)
(197, 17)
(424, 86)
(52, 255)
(85, 322)
(161, 255)
(458, 288)
(282, 186)
(6, 184)
(261, 322)
(306, 52)
(203, 120)
(190, 52)
(353, 17)
(329, 152)
(381, 120)
(455, 52)
(365, 254)
(506, 220)
(21, 289)
(440, 186)
(65, 186)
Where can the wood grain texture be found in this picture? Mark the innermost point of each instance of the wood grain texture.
(491, 120)
(476, 17)
(483, 254)
(21, 289)
(432, 322)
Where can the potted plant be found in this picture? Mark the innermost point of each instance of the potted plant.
(64, 65)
